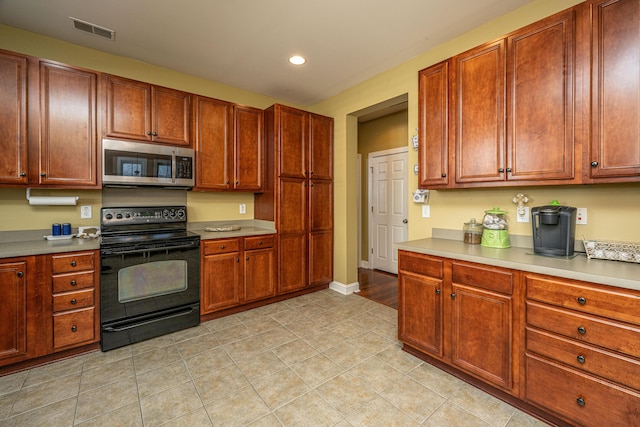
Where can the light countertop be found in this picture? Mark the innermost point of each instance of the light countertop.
(614, 273)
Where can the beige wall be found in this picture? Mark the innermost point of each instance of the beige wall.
(17, 214)
(377, 135)
(613, 209)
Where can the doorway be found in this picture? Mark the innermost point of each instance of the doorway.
(387, 177)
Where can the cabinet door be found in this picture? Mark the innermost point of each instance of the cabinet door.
(420, 312)
(68, 129)
(248, 148)
(541, 100)
(481, 341)
(292, 146)
(320, 147)
(220, 286)
(13, 310)
(292, 262)
(433, 124)
(615, 50)
(478, 98)
(259, 274)
(214, 142)
(128, 109)
(13, 119)
(292, 230)
(170, 116)
(320, 257)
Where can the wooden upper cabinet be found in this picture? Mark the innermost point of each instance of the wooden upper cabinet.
(320, 147)
(66, 141)
(214, 143)
(433, 124)
(615, 91)
(292, 137)
(144, 112)
(541, 100)
(248, 148)
(13, 119)
(478, 99)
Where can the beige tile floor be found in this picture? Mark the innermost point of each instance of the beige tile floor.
(322, 359)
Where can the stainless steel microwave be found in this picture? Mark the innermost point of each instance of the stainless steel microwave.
(129, 163)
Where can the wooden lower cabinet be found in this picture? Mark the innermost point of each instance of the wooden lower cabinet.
(462, 314)
(75, 291)
(237, 271)
(582, 347)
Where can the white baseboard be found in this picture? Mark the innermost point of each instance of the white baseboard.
(345, 289)
(364, 264)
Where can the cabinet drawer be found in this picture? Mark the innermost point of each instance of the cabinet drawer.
(421, 264)
(259, 242)
(73, 300)
(485, 277)
(221, 246)
(71, 282)
(579, 398)
(76, 327)
(614, 304)
(585, 328)
(584, 357)
(72, 262)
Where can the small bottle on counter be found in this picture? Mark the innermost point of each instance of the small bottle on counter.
(473, 232)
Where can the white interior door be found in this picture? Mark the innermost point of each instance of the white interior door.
(388, 217)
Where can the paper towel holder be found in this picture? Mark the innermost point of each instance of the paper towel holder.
(51, 201)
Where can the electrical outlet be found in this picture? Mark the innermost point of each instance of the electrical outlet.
(85, 212)
(243, 208)
(426, 211)
(581, 216)
(523, 214)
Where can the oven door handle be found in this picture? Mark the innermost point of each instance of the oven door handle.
(146, 322)
(155, 249)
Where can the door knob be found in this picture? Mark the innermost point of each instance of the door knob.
(404, 221)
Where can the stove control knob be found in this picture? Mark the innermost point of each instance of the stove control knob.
(108, 216)
(180, 213)
(119, 216)
(127, 215)
(165, 213)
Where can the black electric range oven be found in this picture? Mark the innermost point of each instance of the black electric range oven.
(149, 274)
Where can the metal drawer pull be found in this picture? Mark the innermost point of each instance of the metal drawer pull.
(73, 283)
(73, 263)
(260, 242)
(581, 359)
(580, 401)
(582, 300)
(582, 330)
(221, 246)
(19, 274)
(437, 291)
(73, 301)
(453, 296)
(74, 328)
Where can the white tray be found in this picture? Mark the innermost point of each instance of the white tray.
(63, 237)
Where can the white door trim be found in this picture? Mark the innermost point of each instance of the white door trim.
(370, 228)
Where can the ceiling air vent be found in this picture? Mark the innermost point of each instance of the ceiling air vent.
(88, 27)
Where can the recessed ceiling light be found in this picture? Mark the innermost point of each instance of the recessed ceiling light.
(297, 60)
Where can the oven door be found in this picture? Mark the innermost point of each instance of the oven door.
(139, 281)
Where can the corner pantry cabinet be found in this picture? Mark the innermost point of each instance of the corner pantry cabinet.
(145, 112)
(298, 195)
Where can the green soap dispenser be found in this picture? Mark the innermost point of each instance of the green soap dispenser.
(495, 233)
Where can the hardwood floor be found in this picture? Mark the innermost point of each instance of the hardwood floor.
(379, 286)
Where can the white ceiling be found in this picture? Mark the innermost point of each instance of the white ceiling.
(246, 43)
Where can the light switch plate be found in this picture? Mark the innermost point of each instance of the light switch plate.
(525, 216)
(426, 211)
(243, 208)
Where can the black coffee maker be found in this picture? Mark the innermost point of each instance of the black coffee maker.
(554, 229)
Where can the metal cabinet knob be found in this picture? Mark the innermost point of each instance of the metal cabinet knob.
(43, 174)
(438, 291)
(453, 296)
(221, 246)
(73, 264)
(73, 301)
(247, 258)
(581, 358)
(73, 283)
(74, 328)
(582, 300)
(580, 401)
(594, 164)
(23, 174)
(19, 274)
(260, 242)
(149, 133)
(501, 170)
(443, 175)
(582, 330)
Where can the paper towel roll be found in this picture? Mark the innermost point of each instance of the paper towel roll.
(40, 200)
